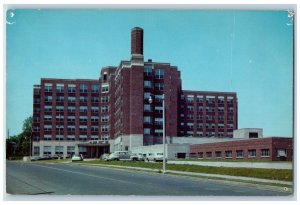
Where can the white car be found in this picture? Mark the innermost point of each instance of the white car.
(76, 158)
(155, 157)
(137, 157)
(119, 155)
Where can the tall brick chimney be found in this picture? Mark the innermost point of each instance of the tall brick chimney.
(137, 41)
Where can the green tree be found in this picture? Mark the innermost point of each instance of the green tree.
(19, 145)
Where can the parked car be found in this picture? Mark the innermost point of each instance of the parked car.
(104, 156)
(137, 157)
(155, 157)
(76, 158)
(119, 155)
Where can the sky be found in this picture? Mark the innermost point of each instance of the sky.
(247, 52)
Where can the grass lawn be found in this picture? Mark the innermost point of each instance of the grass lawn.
(274, 174)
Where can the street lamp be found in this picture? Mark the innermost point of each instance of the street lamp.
(164, 134)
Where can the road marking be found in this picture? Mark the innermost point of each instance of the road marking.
(89, 175)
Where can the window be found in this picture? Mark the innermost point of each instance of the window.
(104, 118)
(82, 138)
(251, 153)
(105, 99)
(48, 98)
(59, 128)
(199, 117)
(94, 137)
(253, 135)
(83, 99)
(82, 150)
(94, 128)
(95, 88)
(94, 118)
(208, 155)
(104, 128)
(221, 126)
(60, 88)
(190, 125)
(281, 152)
(200, 155)
(190, 133)
(47, 127)
(239, 154)
(147, 131)
(158, 109)
(159, 86)
(199, 134)
(200, 108)
(104, 137)
(218, 154)
(36, 150)
(83, 109)
(83, 88)
(105, 88)
(48, 117)
(265, 153)
(71, 118)
(37, 110)
(159, 98)
(95, 99)
(82, 128)
(147, 119)
(71, 150)
(37, 100)
(190, 108)
(59, 118)
(228, 154)
(60, 99)
(104, 108)
(71, 88)
(147, 71)
(36, 128)
(147, 95)
(220, 99)
(190, 99)
(158, 132)
(83, 118)
(147, 108)
(147, 84)
(190, 116)
(220, 109)
(159, 73)
(59, 108)
(48, 87)
(71, 137)
(158, 121)
(59, 137)
(95, 109)
(47, 150)
(199, 99)
(200, 125)
(47, 137)
(71, 99)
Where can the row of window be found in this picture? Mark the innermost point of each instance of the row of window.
(159, 73)
(239, 154)
(207, 134)
(208, 99)
(73, 137)
(82, 99)
(207, 117)
(208, 109)
(71, 88)
(104, 118)
(72, 128)
(49, 108)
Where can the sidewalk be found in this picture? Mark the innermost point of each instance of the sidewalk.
(199, 174)
(261, 165)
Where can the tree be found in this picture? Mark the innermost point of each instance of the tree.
(20, 144)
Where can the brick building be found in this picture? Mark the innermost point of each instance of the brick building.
(81, 116)
(269, 149)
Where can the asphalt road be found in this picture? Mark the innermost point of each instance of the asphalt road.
(61, 179)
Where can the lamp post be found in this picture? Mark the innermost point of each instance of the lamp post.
(164, 134)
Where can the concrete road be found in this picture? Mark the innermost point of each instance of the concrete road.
(61, 179)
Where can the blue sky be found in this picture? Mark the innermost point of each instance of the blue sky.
(248, 52)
